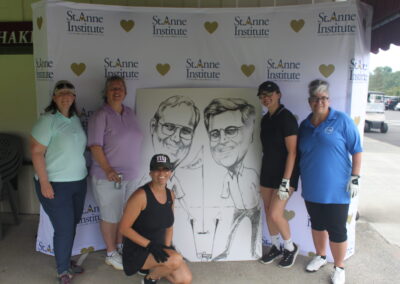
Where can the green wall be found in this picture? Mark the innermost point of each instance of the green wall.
(17, 88)
(17, 92)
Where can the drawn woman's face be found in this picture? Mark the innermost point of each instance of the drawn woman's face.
(173, 133)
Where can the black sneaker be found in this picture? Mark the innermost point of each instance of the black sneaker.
(143, 272)
(269, 257)
(74, 268)
(289, 257)
(146, 280)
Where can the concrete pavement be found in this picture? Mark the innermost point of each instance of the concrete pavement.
(380, 190)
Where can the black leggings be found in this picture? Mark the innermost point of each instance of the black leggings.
(329, 217)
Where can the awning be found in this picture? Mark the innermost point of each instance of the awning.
(385, 24)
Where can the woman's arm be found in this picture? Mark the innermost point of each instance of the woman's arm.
(39, 163)
(136, 203)
(356, 164)
(169, 231)
(291, 147)
(101, 159)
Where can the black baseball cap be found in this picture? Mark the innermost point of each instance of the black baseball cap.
(269, 87)
(160, 161)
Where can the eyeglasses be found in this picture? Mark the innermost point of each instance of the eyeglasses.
(64, 86)
(230, 132)
(318, 99)
(169, 129)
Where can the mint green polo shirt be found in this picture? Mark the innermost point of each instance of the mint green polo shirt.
(65, 140)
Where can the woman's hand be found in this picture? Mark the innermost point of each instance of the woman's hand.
(47, 189)
(100, 157)
(158, 252)
(112, 175)
(283, 191)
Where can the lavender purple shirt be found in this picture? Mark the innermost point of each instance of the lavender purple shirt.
(120, 137)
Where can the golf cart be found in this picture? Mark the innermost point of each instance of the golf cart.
(375, 114)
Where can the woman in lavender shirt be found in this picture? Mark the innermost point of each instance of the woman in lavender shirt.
(114, 139)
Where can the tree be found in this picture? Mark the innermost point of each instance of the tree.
(383, 79)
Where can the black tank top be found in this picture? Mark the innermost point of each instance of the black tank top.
(153, 221)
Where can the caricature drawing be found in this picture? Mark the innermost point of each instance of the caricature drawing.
(172, 129)
(230, 125)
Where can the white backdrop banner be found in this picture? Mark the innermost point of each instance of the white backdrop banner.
(208, 48)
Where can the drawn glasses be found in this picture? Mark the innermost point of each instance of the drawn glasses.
(230, 132)
(169, 129)
(318, 99)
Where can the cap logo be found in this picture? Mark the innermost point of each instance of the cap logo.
(161, 159)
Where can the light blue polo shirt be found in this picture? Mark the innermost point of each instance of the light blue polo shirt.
(66, 142)
(325, 165)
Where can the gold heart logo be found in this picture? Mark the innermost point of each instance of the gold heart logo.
(248, 69)
(78, 69)
(87, 250)
(163, 68)
(211, 27)
(326, 70)
(349, 217)
(297, 25)
(289, 215)
(39, 22)
(357, 120)
(127, 25)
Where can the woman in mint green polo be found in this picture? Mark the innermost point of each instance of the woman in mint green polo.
(58, 143)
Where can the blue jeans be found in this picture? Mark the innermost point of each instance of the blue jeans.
(65, 212)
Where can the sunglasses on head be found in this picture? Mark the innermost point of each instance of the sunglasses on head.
(65, 86)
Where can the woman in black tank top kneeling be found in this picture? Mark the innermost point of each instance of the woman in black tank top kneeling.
(147, 226)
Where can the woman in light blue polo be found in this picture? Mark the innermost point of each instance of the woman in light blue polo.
(330, 161)
(57, 146)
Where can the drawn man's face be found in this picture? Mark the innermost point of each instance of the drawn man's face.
(173, 133)
(229, 138)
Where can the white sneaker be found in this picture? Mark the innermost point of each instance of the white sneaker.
(338, 276)
(115, 260)
(316, 263)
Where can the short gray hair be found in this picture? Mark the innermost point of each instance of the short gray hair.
(318, 86)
